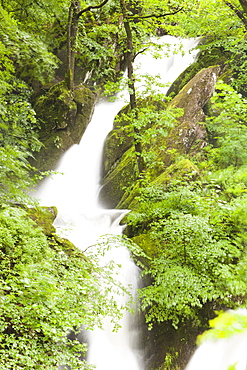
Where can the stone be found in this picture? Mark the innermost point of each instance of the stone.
(190, 133)
(44, 218)
(123, 175)
(64, 116)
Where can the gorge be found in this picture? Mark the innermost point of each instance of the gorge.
(154, 180)
(74, 191)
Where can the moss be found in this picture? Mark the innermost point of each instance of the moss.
(116, 144)
(53, 109)
(206, 58)
(44, 217)
(66, 245)
(184, 170)
(64, 117)
(120, 139)
(147, 245)
(123, 176)
(128, 200)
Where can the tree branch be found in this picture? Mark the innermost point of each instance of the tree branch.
(243, 3)
(238, 13)
(155, 15)
(140, 52)
(91, 7)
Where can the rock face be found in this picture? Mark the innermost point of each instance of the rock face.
(190, 132)
(64, 117)
(185, 138)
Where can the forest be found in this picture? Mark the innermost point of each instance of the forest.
(186, 182)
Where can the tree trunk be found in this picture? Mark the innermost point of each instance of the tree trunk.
(243, 3)
(131, 84)
(72, 29)
(240, 14)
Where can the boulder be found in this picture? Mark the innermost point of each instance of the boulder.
(189, 135)
(63, 116)
(186, 138)
(44, 217)
(123, 175)
(206, 58)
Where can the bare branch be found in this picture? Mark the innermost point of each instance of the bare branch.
(91, 7)
(140, 52)
(155, 15)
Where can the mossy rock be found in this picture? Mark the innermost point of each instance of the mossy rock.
(146, 244)
(64, 116)
(116, 144)
(122, 176)
(128, 200)
(120, 139)
(189, 135)
(66, 245)
(184, 170)
(44, 218)
(205, 58)
(56, 109)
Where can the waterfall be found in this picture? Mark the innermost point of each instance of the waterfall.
(221, 354)
(224, 352)
(82, 220)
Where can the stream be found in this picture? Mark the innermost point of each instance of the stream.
(81, 219)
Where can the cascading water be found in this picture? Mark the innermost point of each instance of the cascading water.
(223, 352)
(74, 193)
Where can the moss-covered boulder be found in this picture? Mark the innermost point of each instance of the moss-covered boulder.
(205, 58)
(186, 138)
(117, 143)
(122, 176)
(64, 116)
(44, 218)
(189, 135)
(181, 170)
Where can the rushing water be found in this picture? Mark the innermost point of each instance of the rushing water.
(82, 220)
(221, 354)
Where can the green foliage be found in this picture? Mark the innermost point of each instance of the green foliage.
(227, 127)
(148, 125)
(18, 139)
(225, 325)
(95, 48)
(198, 250)
(48, 288)
(196, 231)
(28, 15)
(30, 56)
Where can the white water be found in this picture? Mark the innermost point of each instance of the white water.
(221, 354)
(82, 220)
(227, 353)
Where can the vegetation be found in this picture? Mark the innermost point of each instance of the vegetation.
(48, 289)
(190, 225)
